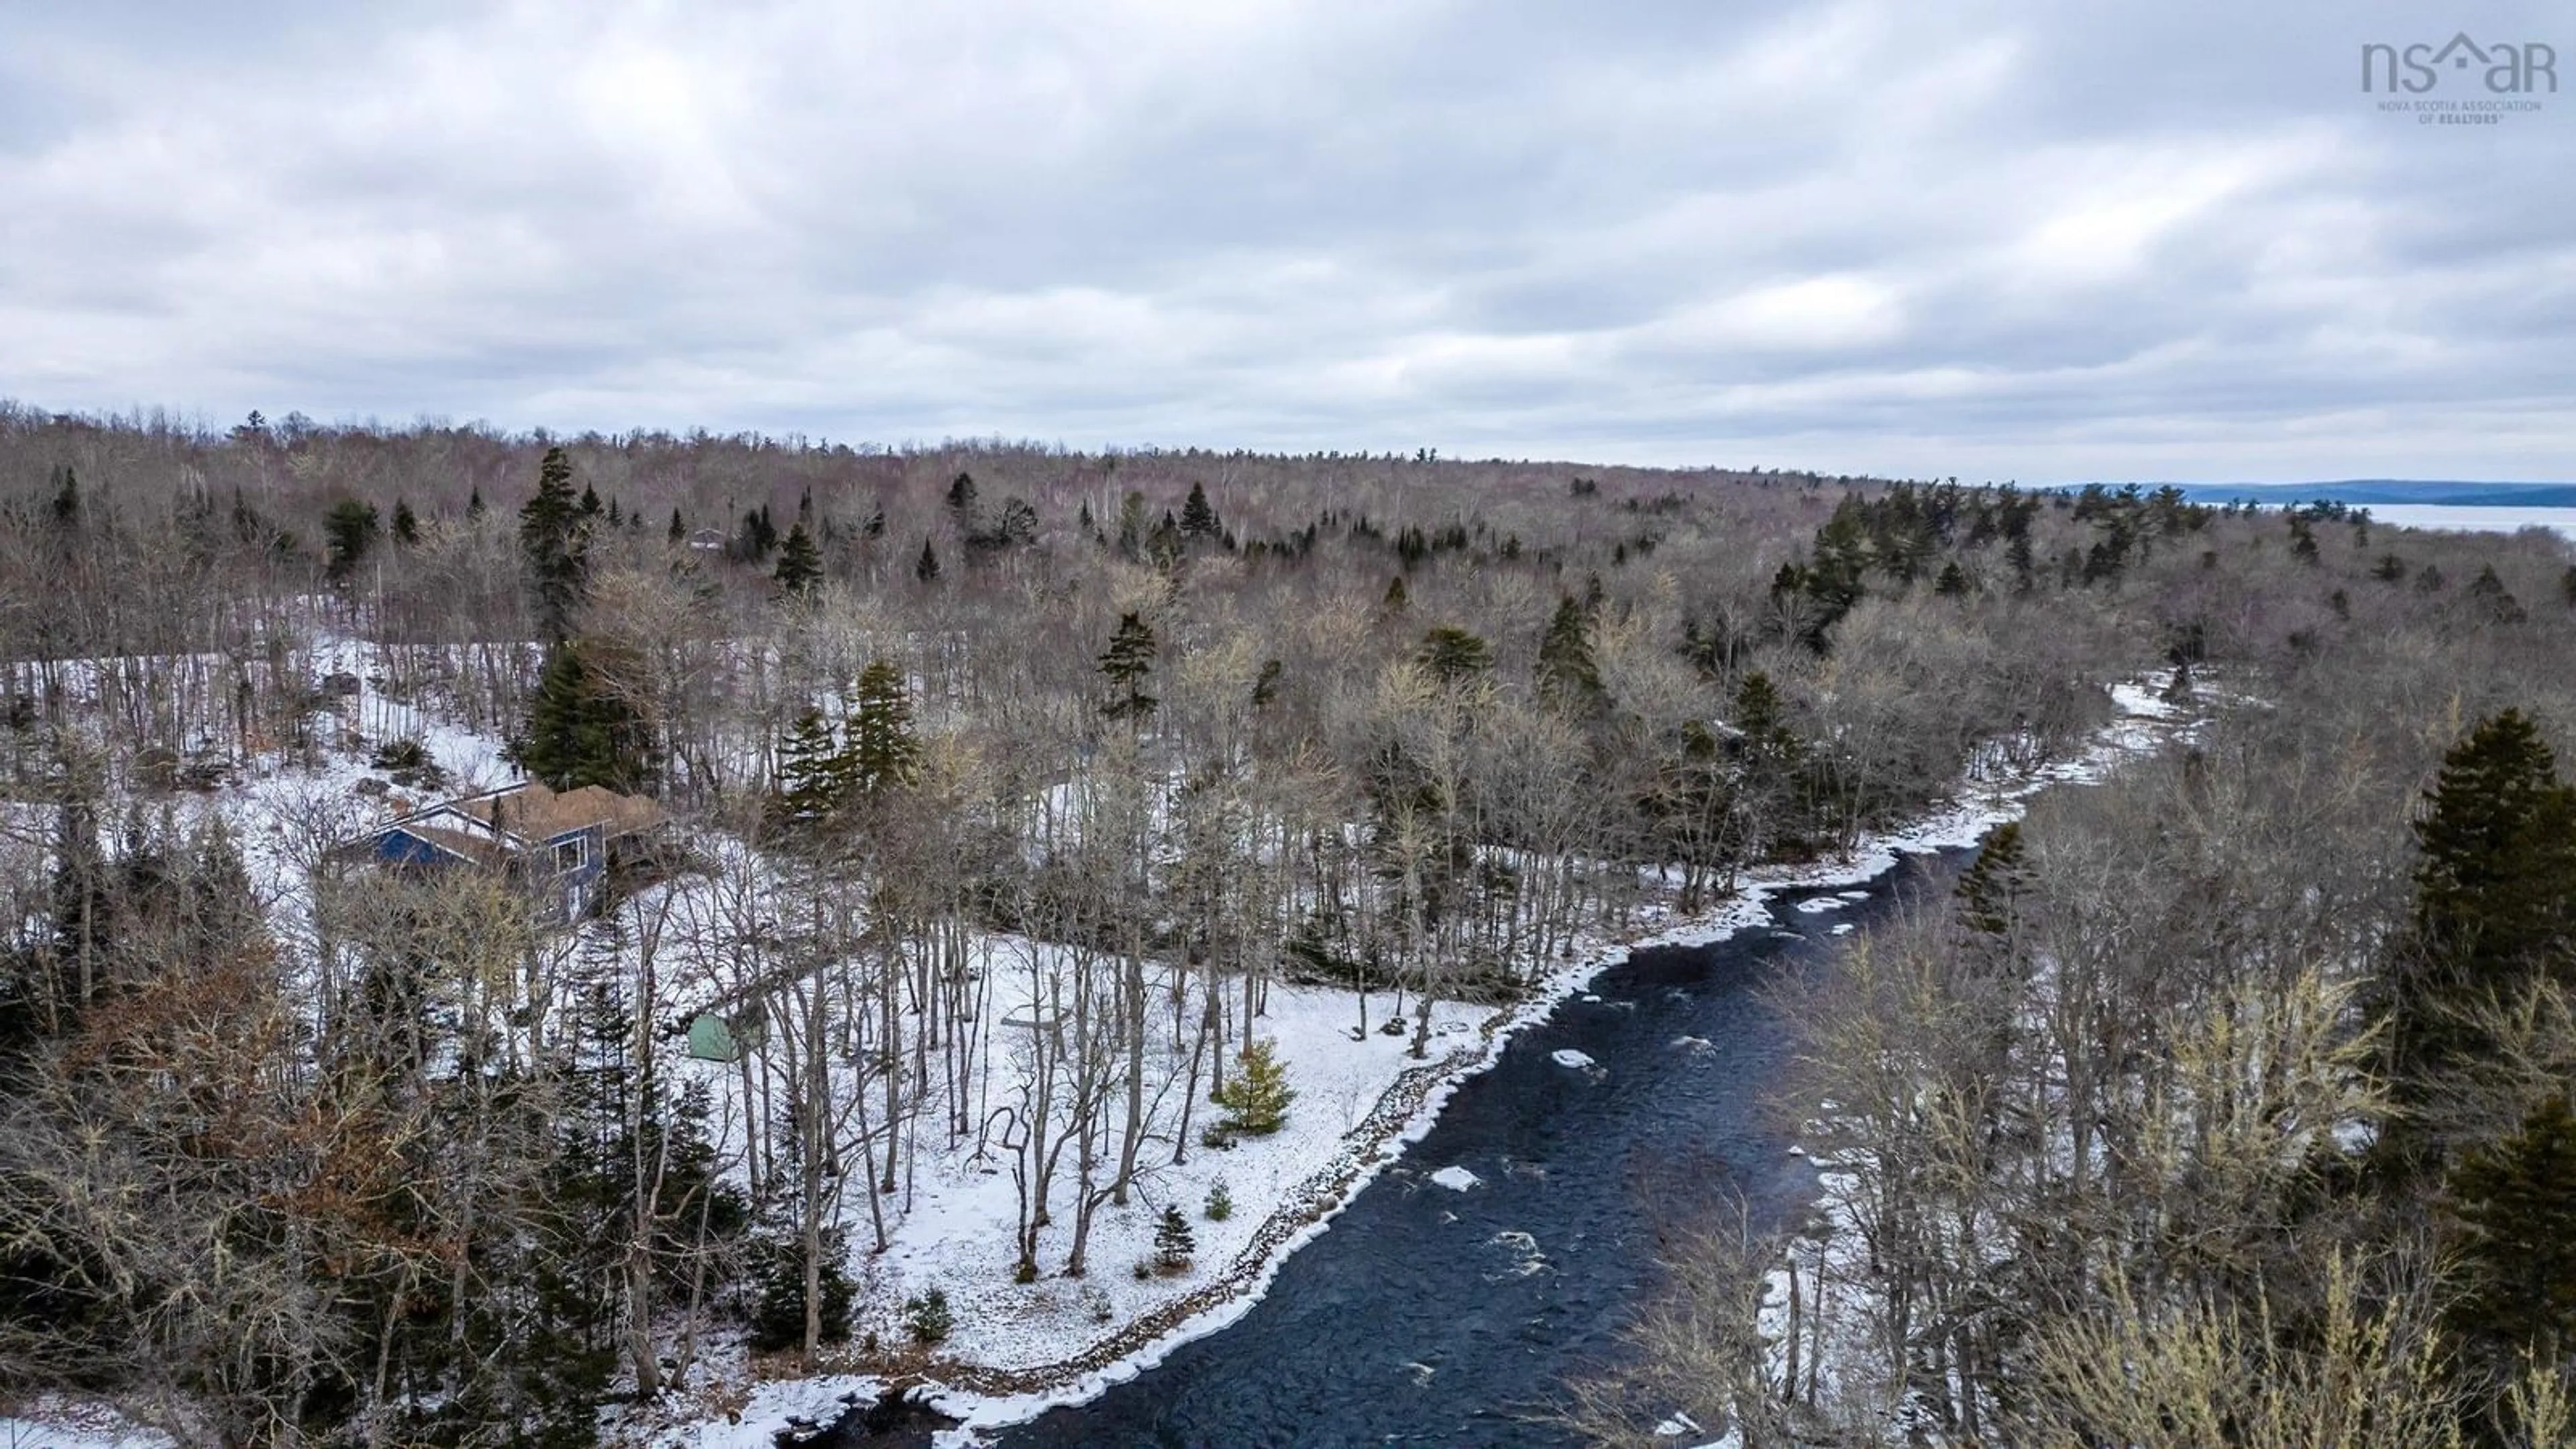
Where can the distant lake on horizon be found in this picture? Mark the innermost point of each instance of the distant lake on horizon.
(2473, 518)
(2406, 503)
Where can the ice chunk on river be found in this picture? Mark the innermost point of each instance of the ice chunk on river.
(1456, 1179)
(1569, 1057)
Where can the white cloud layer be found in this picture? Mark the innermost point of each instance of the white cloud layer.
(2123, 239)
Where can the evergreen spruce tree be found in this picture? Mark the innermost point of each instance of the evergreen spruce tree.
(926, 568)
(1454, 654)
(759, 536)
(474, 503)
(880, 750)
(2303, 538)
(1220, 1201)
(1256, 1097)
(800, 564)
(1991, 891)
(406, 524)
(1953, 583)
(1019, 522)
(1567, 675)
(928, 1316)
(1833, 577)
(348, 531)
(1174, 1244)
(778, 1284)
(679, 533)
(813, 775)
(1198, 517)
(66, 507)
(2515, 1203)
(223, 912)
(579, 731)
(1397, 596)
(553, 539)
(2495, 903)
(1762, 722)
(961, 505)
(2567, 586)
(2488, 593)
(1127, 664)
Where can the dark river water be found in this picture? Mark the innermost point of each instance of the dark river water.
(1435, 1317)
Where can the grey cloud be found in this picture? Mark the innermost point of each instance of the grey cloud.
(2122, 240)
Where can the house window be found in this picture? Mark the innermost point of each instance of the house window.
(572, 854)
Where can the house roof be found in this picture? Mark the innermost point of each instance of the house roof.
(455, 842)
(531, 811)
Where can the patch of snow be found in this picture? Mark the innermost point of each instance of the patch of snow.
(1456, 1179)
(55, 1423)
(1569, 1057)
(1845, 929)
(1820, 905)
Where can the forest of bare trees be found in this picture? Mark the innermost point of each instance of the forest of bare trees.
(302, 1151)
(2225, 1103)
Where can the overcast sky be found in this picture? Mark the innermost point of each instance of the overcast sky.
(2118, 239)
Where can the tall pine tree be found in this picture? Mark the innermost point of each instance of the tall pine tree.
(553, 538)
(1198, 516)
(878, 743)
(1567, 675)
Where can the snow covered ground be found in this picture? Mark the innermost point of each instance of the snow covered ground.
(50, 1423)
(958, 1233)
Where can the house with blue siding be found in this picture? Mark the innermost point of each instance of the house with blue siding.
(558, 844)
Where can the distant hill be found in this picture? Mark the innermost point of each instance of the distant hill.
(2382, 491)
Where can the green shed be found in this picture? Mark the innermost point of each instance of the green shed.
(714, 1039)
